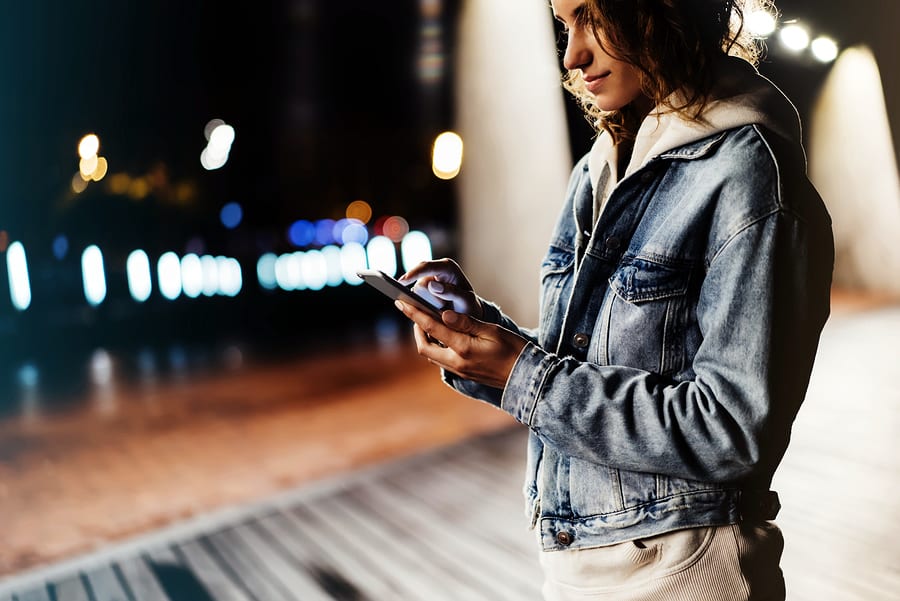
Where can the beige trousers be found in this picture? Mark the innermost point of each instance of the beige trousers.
(738, 562)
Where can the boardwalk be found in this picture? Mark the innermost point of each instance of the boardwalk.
(448, 523)
(444, 525)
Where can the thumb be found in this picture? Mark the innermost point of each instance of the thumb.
(460, 322)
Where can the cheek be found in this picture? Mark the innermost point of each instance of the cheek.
(632, 84)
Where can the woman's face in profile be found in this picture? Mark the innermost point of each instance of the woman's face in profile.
(613, 83)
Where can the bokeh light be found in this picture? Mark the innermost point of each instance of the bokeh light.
(359, 210)
(350, 230)
(101, 169)
(287, 271)
(824, 49)
(17, 270)
(87, 166)
(168, 270)
(761, 23)
(415, 248)
(79, 184)
(355, 232)
(333, 273)
(210, 268)
(324, 232)
(60, 247)
(231, 278)
(353, 260)
(794, 37)
(191, 275)
(220, 137)
(395, 228)
(231, 215)
(447, 155)
(137, 269)
(93, 275)
(265, 271)
(118, 183)
(302, 233)
(314, 270)
(382, 255)
(88, 146)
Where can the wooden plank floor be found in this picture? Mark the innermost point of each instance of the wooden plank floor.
(445, 525)
(449, 524)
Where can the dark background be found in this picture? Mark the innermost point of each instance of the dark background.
(327, 107)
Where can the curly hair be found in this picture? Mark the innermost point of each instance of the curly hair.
(674, 44)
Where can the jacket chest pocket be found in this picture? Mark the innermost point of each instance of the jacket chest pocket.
(644, 317)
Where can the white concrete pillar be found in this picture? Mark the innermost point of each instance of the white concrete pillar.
(511, 116)
(852, 163)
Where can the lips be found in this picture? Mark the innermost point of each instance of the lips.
(595, 82)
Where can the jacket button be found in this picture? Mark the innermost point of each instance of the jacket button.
(613, 242)
(564, 538)
(580, 340)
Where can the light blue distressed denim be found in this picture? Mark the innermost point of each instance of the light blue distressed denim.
(667, 368)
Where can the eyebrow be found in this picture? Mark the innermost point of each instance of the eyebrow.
(577, 13)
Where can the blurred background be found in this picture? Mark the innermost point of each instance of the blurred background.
(326, 132)
(188, 188)
(226, 138)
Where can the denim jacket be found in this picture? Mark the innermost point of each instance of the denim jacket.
(675, 344)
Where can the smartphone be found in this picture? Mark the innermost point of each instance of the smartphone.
(397, 291)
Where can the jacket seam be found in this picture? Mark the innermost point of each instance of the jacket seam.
(631, 508)
(742, 228)
(539, 390)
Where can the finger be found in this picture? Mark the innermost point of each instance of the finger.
(418, 272)
(462, 323)
(438, 330)
(462, 300)
(421, 338)
(441, 269)
(430, 349)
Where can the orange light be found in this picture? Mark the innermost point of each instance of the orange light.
(359, 209)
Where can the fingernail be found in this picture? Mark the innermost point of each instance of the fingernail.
(450, 317)
(399, 305)
(436, 286)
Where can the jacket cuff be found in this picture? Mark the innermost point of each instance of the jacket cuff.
(526, 380)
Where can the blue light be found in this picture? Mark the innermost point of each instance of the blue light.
(355, 232)
(324, 232)
(231, 215)
(338, 230)
(60, 247)
(302, 233)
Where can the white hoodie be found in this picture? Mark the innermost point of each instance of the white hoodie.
(741, 96)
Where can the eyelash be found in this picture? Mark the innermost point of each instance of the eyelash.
(581, 18)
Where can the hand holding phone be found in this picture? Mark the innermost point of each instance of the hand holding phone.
(397, 291)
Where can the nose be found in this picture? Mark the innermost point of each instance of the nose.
(578, 52)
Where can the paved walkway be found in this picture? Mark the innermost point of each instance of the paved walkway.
(364, 516)
(133, 456)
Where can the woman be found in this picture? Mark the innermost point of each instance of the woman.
(683, 294)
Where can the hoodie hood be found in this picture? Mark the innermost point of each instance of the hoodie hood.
(741, 96)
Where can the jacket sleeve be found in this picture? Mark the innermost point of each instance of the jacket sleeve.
(761, 308)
